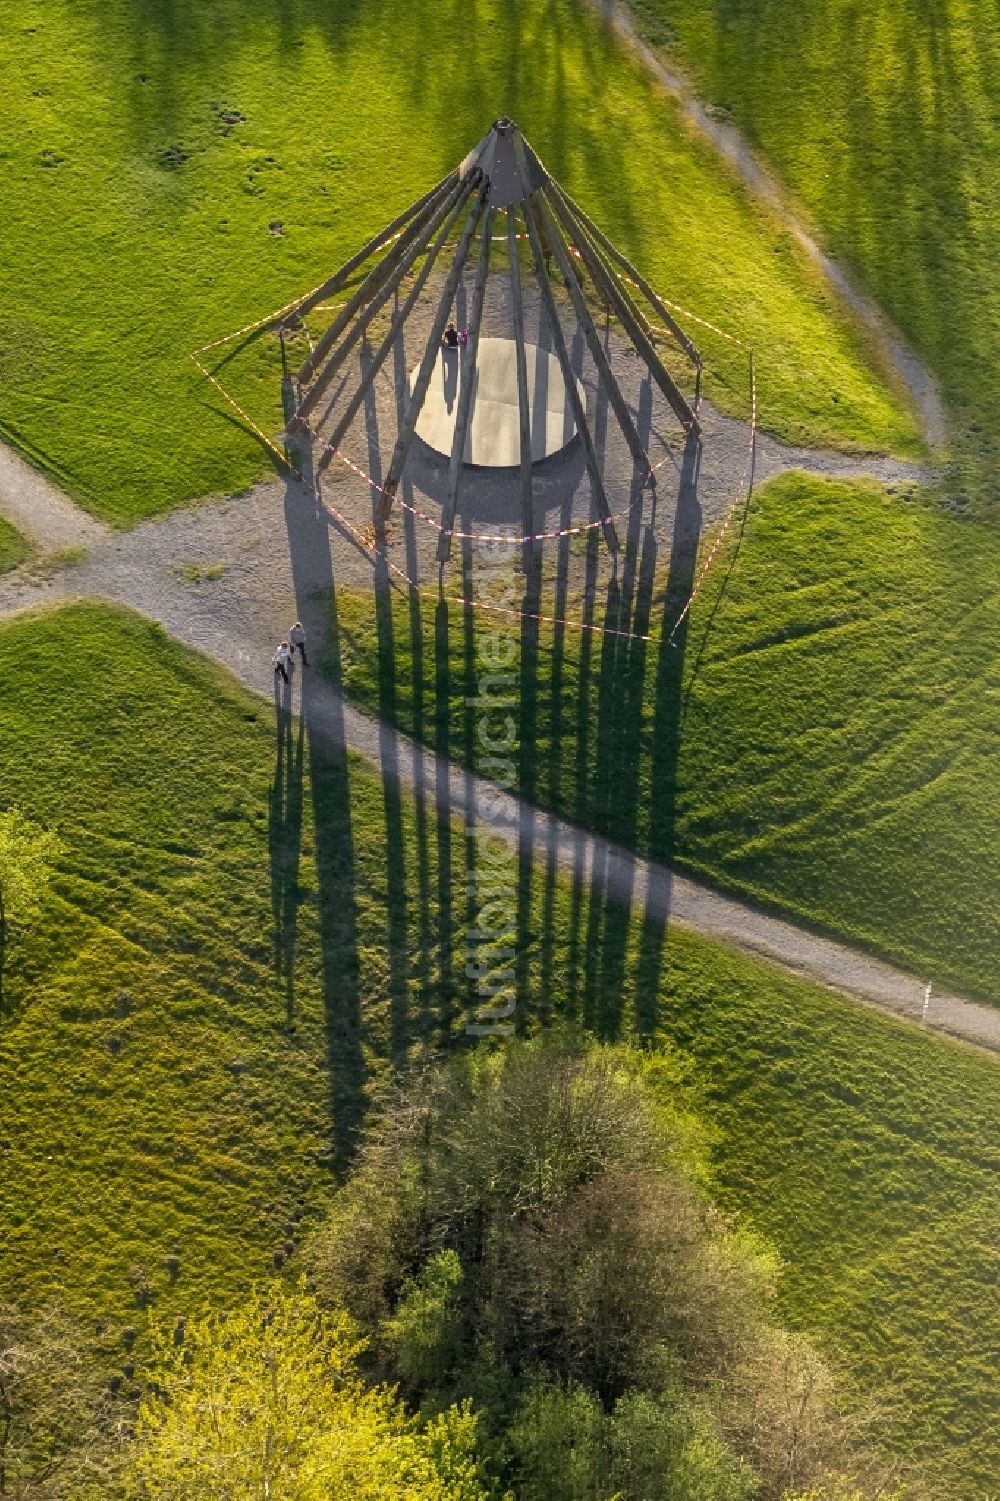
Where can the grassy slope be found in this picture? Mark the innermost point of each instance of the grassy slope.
(869, 1159)
(833, 748)
(129, 1135)
(861, 1147)
(351, 110)
(885, 120)
(13, 547)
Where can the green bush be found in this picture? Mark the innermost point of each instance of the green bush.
(565, 1447)
(425, 1331)
(267, 1401)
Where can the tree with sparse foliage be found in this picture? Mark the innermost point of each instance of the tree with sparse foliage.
(26, 856)
(55, 1416)
(266, 1403)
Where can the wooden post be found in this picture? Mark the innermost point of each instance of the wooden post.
(562, 355)
(523, 401)
(604, 371)
(467, 393)
(609, 287)
(431, 355)
(452, 203)
(347, 270)
(400, 257)
(395, 328)
(654, 299)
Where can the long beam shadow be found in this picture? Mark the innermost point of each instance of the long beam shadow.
(365, 922)
(668, 713)
(615, 798)
(389, 751)
(330, 794)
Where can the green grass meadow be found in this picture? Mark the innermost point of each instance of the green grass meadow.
(245, 930)
(147, 148)
(822, 738)
(884, 120)
(14, 549)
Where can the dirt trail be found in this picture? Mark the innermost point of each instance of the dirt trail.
(40, 511)
(730, 142)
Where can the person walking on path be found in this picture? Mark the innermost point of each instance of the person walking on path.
(297, 637)
(282, 660)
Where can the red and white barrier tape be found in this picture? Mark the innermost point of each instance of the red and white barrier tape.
(509, 539)
(730, 512)
(246, 416)
(499, 536)
(377, 554)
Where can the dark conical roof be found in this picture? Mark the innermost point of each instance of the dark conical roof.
(499, 156)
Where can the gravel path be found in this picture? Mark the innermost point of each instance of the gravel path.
(278, 550)
(730, 142)
(40, 511)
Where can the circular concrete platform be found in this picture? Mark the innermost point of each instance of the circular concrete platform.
(493, 438)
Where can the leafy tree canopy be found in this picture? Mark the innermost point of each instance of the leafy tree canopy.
(266, 1402)
(529, 1226)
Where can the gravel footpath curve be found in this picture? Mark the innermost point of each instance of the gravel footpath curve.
(40, 511)
(730, 142)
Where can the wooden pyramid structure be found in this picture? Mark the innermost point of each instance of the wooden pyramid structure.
(501, 185)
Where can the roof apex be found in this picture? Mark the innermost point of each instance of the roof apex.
(497, 157)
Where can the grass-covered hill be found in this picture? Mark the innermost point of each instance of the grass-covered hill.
(243, 931)
(884, 120)
(148, 148)
(820, 738)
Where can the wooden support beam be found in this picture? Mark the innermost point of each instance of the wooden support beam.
(652, 297)
(614, 293)
(467, 392)
(562, 355)
(431, 355)
(347, 270)
(395, 329)
(523, 400)
(447, 211)
(597, 352)
(398, 259)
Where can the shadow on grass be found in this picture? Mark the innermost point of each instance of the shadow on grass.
(171, 56)
(285, 839)
(321, 725)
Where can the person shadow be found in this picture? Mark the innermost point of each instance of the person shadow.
(451, 362)
(285, 839)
